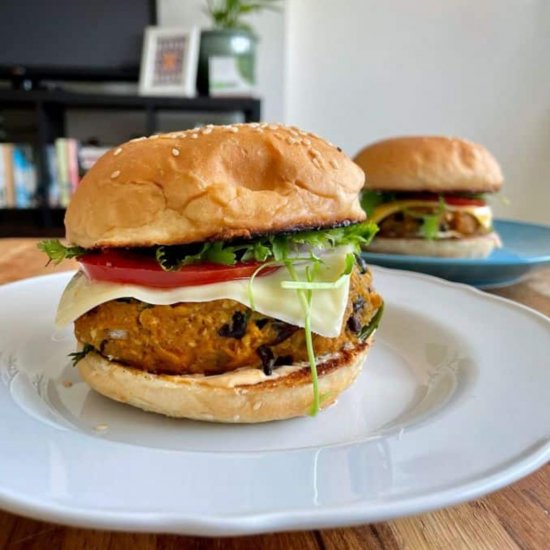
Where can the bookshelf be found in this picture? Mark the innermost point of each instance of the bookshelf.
(48, 110)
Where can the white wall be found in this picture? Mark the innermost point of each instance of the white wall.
(271, 29)
(361, 70)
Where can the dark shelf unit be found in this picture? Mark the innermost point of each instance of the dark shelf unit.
(49, 109)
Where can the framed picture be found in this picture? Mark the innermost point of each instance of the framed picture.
(169, 61)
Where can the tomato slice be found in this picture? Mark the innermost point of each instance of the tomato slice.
(453, 200)
(463, 201)
(120, 266)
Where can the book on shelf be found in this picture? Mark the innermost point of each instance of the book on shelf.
(24, 176)
(53, 196)
(66, 162)
(88, 155)
(18, 180)
(61, 179)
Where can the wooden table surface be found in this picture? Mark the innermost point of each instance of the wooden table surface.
(515, 517)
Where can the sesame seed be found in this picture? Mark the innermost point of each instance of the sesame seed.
(154, 136)
(101, 427)
(315, 153)
(278, 136)
(182, 135)
(233, 129)
(257, 405)
(194, 136)
(254, 125)
(291, 141)
(117, 151)
(302, 133)
(207, 131)
(210, 126)
(306, 142)
(333, 163)
(237, 417)
(259, 130)
(176, 152)
(67, 383)
(316, 162)
(115, 174)
(273, 127)
(138, 139)
(264, 125)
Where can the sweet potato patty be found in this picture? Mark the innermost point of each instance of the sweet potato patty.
(212, 337)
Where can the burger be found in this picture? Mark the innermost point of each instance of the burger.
(428, 196)
(219, 277)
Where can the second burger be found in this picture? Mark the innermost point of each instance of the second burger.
(428, 195)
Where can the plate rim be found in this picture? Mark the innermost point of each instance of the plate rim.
(327, 517)
(528, 460)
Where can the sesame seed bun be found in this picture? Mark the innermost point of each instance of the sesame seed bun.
(433, 164)
(213, 183)
(229, 397)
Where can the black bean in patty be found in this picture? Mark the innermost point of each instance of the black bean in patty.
(237, 328)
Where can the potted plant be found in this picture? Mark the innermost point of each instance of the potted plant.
(230, 38)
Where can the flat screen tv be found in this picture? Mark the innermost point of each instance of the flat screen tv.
(73, 39)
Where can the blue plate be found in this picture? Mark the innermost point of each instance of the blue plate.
(525, 246)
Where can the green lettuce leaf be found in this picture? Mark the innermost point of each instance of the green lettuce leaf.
(267, 248)
(371, 199)
(430, 222)
(57, 252)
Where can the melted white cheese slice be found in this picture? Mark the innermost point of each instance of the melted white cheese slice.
(481, 213)
(327, 312)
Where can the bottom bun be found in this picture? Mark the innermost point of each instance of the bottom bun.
(471, 247)
(242, 396)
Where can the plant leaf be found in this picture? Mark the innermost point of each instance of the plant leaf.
(277, 247)
(431, 222)
(374, 323)
(57, 252)
(79, 355)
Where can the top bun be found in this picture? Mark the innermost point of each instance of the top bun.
(435, 164)
(213, 183)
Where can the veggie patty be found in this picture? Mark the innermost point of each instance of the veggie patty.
(213, 337)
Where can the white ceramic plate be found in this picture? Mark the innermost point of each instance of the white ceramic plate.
(452, 404)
